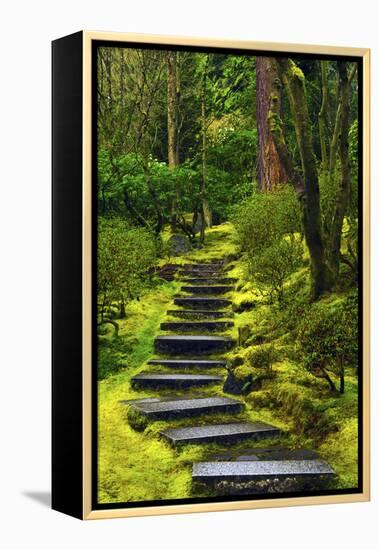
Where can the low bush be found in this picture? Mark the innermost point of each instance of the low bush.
(328, 339)
(263, 357)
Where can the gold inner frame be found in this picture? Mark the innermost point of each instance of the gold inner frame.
(88, 513)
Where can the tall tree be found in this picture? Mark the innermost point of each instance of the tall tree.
(172, 109)
(323, 240)
(172, 127)
(306, 182)
(344, 188)
(270, 167)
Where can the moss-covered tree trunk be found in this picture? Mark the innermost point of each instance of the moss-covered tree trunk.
(294, 83)
(270, 168)
(323, 117)
(341, 203)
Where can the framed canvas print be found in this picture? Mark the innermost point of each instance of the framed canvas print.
(210, 275)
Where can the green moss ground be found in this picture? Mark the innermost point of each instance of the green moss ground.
(138, 466)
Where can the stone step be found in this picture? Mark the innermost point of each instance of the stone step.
(221, 433)
(210, 472)
(196, 345)
(188, 363)
(198, 314)
(207, 266)
(180, 408)
(196, 326)
(210, 281)
(201, 273)
(147, 380)
(210, 289)
(198, 302)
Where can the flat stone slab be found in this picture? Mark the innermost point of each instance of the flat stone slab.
(210, 265)
(179, 408)
(197, 326)
(143, 400)
(197, 345)
(201, 273)
(187, 363)
(210, 281)
(203, 289)
(259, 470)
(198, 313)
(197, 302)
(174, 380)
(221, 433)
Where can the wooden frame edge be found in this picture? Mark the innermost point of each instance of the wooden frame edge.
(364, 496)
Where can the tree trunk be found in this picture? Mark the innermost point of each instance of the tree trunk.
(122, 309)
(270, 168)
(329, 380)
(293, 80)
(203, 208)
(323, 117)
(342, 381)
(344, 187)
(172, 128)
(155, 201)
(172, 108)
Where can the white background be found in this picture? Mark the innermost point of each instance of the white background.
(27, 29)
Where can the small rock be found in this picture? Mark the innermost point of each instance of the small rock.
(178, 245)
(238, 386)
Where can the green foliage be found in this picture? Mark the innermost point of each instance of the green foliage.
(263, 356)
(328, 337)
(137, 421)
(136, 184)
(112, 356)
(274, 265)
(266, 225)
(266, 217)
(232, 150)
(125, 255)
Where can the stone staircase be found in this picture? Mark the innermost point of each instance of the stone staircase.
(202, 310)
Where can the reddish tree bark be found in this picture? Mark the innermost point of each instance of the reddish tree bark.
(270, 168)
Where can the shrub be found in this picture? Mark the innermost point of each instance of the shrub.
(328, 339)
(137, 421)
(267, 226)
(263, 357)
(125, 255)
(274, 265)
(266, 217)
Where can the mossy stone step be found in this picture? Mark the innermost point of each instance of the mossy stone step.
(224, 434)
(207, 266)
(196, 345)
(210, 280)
(201, 273)
(147, 380)
(257, 470)
(197, 326)
(198, 302)
(198, 314)
(188, 363)
(179, 408)
(210, 289)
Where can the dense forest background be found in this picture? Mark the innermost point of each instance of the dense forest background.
(207, 155)
(188, 140)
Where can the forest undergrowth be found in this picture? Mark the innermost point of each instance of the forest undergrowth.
(269, 359)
